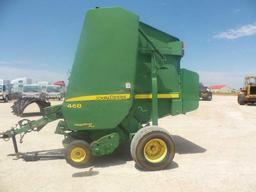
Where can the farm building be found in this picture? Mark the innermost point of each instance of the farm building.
(222, 89)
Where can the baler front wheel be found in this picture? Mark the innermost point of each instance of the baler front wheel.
(152, 148)
(78, 154)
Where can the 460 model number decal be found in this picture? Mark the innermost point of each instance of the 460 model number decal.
(74, 106)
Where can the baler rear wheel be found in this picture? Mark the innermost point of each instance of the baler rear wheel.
(78, 154)
(152, 148)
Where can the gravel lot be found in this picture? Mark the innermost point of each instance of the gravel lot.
(216, 151)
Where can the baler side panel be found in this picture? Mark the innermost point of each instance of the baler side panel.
(168, 76)
(98, 96)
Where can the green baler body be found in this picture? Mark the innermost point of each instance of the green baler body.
(110, 87)
(125, 74)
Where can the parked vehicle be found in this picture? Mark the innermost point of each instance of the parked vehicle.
(247, 94)
(54, 92)
(32, 91)
(205, 93)
(17, 87)
(4, 91)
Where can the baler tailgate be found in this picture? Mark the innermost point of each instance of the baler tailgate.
(190, 89)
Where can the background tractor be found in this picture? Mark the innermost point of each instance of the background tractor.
(205, 93)
(247, 94)
(126, 75)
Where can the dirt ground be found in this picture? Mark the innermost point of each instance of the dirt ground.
(216, 151)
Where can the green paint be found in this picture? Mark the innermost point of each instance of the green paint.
(190, 86)
(118, 57)
(154, 91)
(105, 145)
(105, 61)
(117, 50)
(50, 114)
(60, 129)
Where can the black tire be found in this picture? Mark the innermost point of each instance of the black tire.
(241, 99)
(209, 97)
(21, 104)
(143, 138)
(74, 151)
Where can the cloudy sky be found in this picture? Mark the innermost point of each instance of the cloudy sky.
(38, 39)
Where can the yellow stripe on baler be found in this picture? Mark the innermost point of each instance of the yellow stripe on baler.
(159, 96)
(100, 97)
(109, 97)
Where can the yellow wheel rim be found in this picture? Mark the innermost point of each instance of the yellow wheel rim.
(155, 150)
(78, 154)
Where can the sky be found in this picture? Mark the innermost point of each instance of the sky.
(38, 39)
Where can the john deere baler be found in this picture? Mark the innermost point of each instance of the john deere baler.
(126, 75)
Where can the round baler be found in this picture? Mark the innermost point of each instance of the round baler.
(126, 75)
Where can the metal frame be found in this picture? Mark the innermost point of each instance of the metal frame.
(154, 69)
